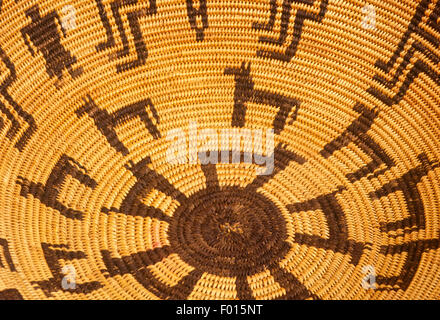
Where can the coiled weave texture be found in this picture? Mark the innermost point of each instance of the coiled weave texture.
(92, 208)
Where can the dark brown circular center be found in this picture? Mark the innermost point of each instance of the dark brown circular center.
(229, 232)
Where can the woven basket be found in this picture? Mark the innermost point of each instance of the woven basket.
(95, 93)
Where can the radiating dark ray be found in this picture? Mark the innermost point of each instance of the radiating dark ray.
(414, 251)
(295, 290)
(211, 178)
(137, 265)
(282, 158)
(10, 294)
(132, 205)
(407, 184)
(244, 291)
(149, 179)
(139, 209)
(134, 263)
(186, 285)
(180, 291)
(338, 232)
(357, 133)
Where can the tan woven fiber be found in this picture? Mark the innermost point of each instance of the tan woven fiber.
(92, 91)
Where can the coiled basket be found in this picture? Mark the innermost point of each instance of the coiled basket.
(107, 106)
